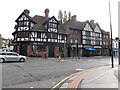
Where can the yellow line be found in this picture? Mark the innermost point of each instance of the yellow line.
(64, 80)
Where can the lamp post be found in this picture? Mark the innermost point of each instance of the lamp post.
(111, 36)
(64, 48)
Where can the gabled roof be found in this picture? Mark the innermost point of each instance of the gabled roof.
(104, 32)
(51, 18)
(29, 17)
(93, 25)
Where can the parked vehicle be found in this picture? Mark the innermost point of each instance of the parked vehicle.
(11, 56)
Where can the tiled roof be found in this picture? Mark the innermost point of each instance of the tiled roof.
(93, 25)
(30, 18)
(39, 26)
(61, 29)
(76, 24)
(40, 20)
(104, 32)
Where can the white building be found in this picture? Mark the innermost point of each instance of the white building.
(115, 47)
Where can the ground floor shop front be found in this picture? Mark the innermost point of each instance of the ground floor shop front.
(84, 51)
(36, 49)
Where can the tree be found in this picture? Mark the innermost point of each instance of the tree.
(69, 15)
(65, 17)
(60, 16)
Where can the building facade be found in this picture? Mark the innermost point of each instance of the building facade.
(5, 44)
(115, 47)
(74, 37)
(106, 43)
(39, 36)
(85, 38)
(45, 36)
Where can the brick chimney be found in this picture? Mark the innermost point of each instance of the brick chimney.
(92, 21)
(46, 13)
(26, 11)
(74, 17)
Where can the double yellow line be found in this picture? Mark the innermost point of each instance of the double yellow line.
(64, 80)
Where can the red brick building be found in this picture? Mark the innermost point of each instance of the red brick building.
(106, 43)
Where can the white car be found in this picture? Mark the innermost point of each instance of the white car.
(11, 56)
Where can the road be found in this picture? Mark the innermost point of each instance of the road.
(45, 73)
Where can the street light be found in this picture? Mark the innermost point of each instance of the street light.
(111, 36)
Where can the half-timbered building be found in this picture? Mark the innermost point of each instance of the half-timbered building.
(39, 35)
(85, 38)
(47, 37)
(96, 38)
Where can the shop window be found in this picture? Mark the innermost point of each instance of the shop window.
(41, 48)
(60, 49)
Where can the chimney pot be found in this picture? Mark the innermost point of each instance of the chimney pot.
(46, 13)
(92, 21)
(26, 11)
(74, 17)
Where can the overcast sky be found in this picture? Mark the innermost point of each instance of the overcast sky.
(97, 10)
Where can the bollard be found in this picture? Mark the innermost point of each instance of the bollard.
(59, 58)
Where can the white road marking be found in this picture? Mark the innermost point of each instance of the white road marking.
(53, 82)
(79, 69)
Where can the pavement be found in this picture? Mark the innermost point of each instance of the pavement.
(104, 77)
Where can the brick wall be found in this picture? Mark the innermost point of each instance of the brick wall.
(105, 39)
(75, 36)
(18, 49)
(58, 53)
(35, 53)
(29, 51)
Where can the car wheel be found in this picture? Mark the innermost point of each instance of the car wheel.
(2, 60)
(22, 60)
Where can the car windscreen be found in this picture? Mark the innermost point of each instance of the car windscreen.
(13, 54)
(2, 53)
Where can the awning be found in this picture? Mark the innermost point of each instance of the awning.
(115, 49)
(90, 49)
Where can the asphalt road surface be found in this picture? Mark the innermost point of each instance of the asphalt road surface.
(45, 73)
